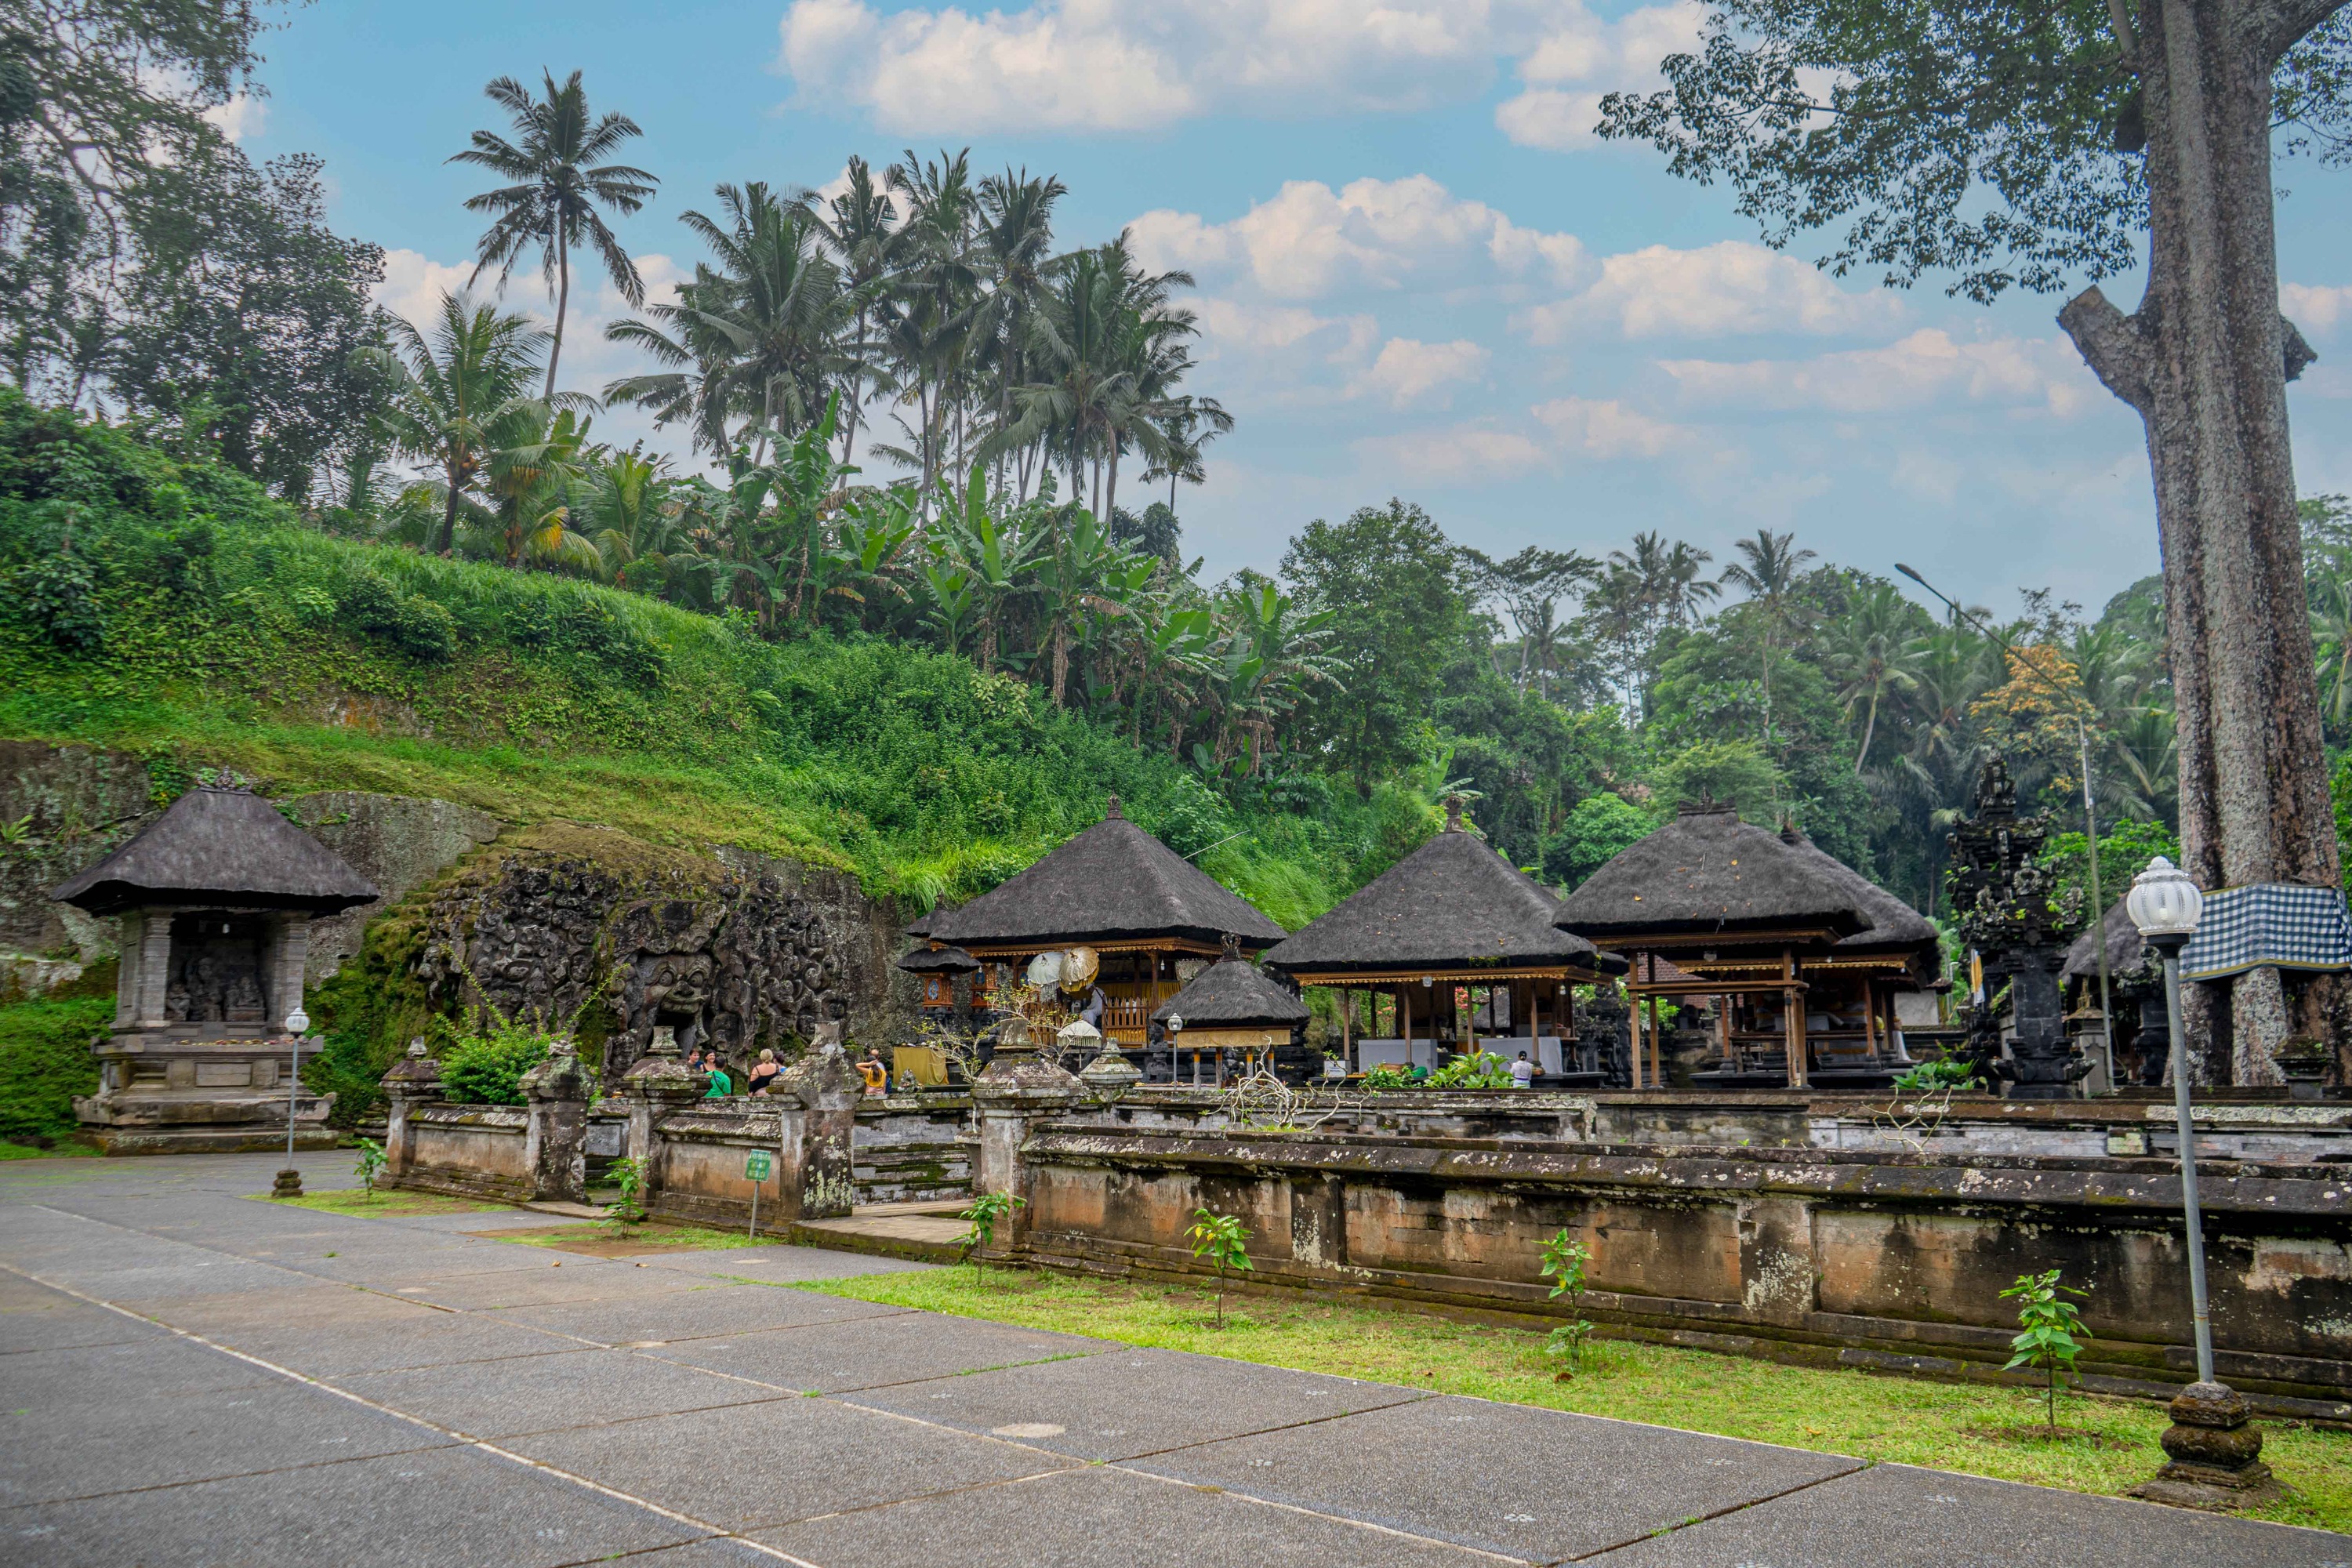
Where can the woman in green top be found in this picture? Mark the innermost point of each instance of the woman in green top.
(720, 1087)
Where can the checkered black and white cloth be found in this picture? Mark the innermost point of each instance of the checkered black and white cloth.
(2278, 923)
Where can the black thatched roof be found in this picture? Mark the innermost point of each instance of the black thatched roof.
(1707, 871)
(1894, 925)
(2125, 948)
(219, 846)
(1233, 993)
(1452, 903)
(1114, 882)
(921, 926)
(938, 961)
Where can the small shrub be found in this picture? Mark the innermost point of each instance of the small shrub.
(1221, 1238)
(1564, 1260)
(630, 1178)
(2051, 1332)
(59, 594)
(369, 1164)
(980, 1220)
(1385, 1079)
(1473, 1069)
(484, 1066)
(1928, 1078)
(416, 626)
(45, 1062)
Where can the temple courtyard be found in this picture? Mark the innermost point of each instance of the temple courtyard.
(192, 1377)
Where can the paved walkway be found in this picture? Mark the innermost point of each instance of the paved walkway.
(190, 1377)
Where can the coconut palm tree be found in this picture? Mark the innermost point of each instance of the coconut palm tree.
(462, 393)
(1770, 569)
(862, 223)
(1014, 258)
(556, 183)
(1871, 654)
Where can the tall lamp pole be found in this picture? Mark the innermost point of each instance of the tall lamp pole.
(289, 1184)
(2090, 820)
(2165, 905)
(2212, 1449)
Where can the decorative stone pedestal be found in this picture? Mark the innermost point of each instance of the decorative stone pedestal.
(289, 1184)
(2215, 1452)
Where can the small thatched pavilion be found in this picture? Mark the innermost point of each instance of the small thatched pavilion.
(1450, 919)
(1712, 905)
(1115, 897)
(217, 899)
(1231, 1006)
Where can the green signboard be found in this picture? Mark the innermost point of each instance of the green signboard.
(758, 1165)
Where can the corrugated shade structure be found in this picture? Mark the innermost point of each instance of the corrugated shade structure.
(1233, 993)
(1453, 903)
(219, 846)
(1114, 882)
(1707, 871)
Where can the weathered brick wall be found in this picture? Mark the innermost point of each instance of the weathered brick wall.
(1834, 1257)
(913, 1146)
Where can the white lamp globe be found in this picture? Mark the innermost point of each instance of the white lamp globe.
(298, 1020)
(2164, 901)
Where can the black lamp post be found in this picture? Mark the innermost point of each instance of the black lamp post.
(2213, 1449)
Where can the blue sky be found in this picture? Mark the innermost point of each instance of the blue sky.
(1419, 275)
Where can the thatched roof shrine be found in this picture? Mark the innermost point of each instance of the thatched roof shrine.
(1708, 873)
(1452, 906)
(938, 961)
(1233, 993)
(1112, 886)
(2125, 949)
(1895, 928)
(223, 846)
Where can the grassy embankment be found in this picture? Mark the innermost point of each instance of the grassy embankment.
(1886, 1418)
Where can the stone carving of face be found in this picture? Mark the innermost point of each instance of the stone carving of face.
(680, 983)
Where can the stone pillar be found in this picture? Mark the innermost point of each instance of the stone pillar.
(285, 954)
(555, 1151)
(1015, 1094)
(414, 1081)
(816, 1107)
(1776, 1259)
(145, 983)
(658, 1086)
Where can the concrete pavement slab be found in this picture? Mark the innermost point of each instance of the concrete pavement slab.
(299, 1303)
(447, 1507)
(330, 1349)
(62, 1322)
(1100, 1518)
(78, 1444)
(1133, 1402)
(1894, 1516)
(1500, 1477)
(688, 1306)
(786, 1459)
(869, 1352)
(783, 1264)
(62, 1381)
(387, 1264)
(557, 1280)
(551, 1392)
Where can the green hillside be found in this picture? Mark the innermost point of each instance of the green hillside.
(172, 610)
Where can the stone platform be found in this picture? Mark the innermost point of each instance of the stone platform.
(193, 1377)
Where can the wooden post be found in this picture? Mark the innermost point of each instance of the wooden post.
(1870, 1017)
(1633, 1026)
(1347, 1032)
(1794, 1019)
(1657, 1048)
(1723, 1032)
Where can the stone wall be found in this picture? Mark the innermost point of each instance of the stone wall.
(1834, 1258)
(72, 807)
(469, 1151)
(911, 1146)
(396, 841)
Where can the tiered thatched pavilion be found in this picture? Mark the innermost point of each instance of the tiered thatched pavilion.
(1118, 899)
(1800, 954)
(1232, 1012)
(1451, 932)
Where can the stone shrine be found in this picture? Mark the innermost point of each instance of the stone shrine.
(2008, 910)
(215, 898)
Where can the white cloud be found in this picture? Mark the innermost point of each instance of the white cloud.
(414, 283)
(2316, 308)
(1128, 65)
(1606, 428)
(1409, 371)
(1310, 240)
(239, 118)
(1463, 451)
(1584, 57)
(1732, 285)
(1923, 368)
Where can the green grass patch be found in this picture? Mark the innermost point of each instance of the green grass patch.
(362, 1204)
(613, 1238)
(1881, 1417)
(64, 1149)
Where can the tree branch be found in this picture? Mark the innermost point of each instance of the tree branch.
(2112, 343)
(2273, 26)
(2299, 352)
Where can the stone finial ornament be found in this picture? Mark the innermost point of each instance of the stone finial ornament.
(2214, 1452)
(1110, 1075)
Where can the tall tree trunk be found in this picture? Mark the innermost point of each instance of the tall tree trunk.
(2205, 360)
(448, 539)
(1061, 660)
(562, 303)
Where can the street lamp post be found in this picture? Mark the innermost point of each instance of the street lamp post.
(2212, 1449)
(290, 1180)
(2165, 905)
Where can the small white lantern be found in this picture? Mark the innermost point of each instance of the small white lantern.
(2164, 901)
(298, 1021)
